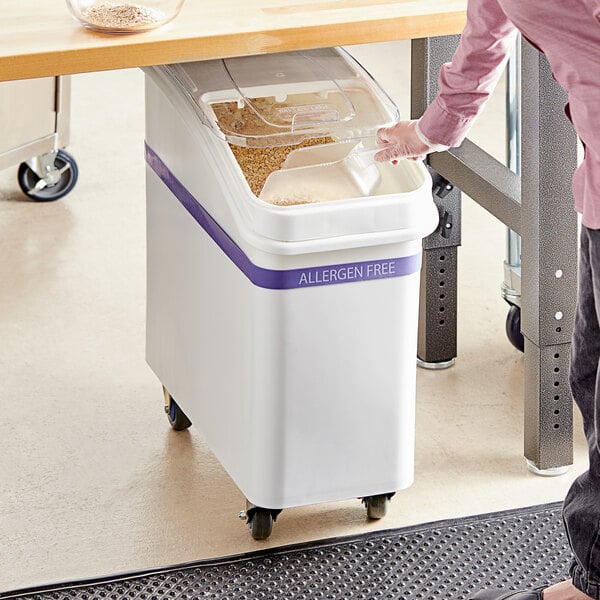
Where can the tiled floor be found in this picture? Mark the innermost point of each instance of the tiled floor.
(94, 481)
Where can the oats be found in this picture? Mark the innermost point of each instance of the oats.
(257, 163)
(109, 15)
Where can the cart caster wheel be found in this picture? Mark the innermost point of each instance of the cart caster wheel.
(377, 505)
(177, 418)
(260, 520)
(513, 328)
(261, 524)
(59, 176)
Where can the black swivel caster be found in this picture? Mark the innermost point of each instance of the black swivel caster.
(513, 328)
(177, 418)
(260, 520)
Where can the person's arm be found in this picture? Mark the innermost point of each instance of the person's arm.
(465, 84)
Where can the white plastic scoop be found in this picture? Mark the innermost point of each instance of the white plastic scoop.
(322, 173)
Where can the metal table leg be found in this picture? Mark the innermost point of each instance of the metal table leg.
(536, 205)
(438, 299)
(549, 265)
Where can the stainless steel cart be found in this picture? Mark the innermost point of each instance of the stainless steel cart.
(34, 121)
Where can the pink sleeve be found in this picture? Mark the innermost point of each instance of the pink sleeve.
(466, 83)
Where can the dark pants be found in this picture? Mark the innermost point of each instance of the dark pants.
(581, 511)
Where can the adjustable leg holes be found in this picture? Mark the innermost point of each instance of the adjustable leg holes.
(558, 384)
(441, 304)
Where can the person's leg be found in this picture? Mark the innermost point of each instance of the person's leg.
(565, 590)
(581, 510)
(560, 591)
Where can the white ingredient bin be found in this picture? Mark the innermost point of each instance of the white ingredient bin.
(286, 334)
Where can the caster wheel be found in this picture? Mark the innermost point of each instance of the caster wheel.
(513, 328)
(377, 505)
(60, 179)
(177, 418)
(261, 524)
(260, 520)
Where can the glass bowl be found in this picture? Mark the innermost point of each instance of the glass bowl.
(122, 16)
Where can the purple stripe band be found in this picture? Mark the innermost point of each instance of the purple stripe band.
(274, 279)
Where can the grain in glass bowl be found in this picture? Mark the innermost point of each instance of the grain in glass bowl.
(116, 16)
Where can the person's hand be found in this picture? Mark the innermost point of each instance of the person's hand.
(403, 140)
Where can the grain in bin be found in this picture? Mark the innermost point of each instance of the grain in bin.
(286, 332)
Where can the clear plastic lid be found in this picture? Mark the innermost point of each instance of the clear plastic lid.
(284, 98)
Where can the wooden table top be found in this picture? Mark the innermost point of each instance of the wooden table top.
(40, 37)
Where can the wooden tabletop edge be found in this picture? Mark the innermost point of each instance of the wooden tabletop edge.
(131, 53)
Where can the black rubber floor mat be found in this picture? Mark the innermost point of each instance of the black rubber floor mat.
(517, 549)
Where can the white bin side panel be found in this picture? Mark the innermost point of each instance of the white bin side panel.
(342, 390)
(196, 336)
(304, 395)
